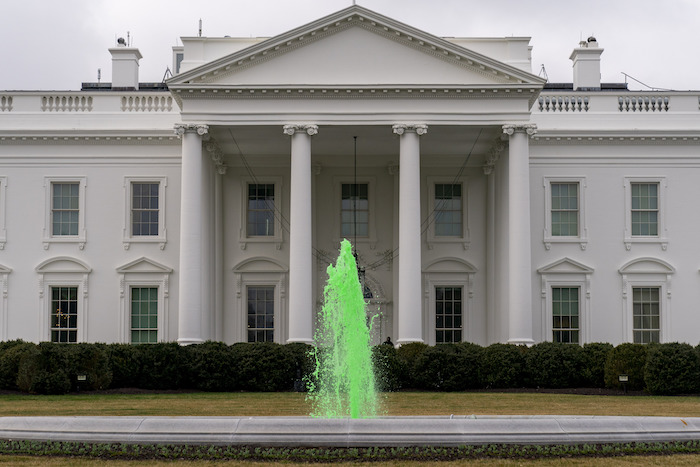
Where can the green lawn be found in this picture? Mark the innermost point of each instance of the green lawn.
(398, 403)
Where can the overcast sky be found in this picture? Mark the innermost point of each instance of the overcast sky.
(52, 44)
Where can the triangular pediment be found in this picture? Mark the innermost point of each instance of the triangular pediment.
(357, 47)
(565, 266)
(5, 269)
(144, 265)
(647, 266)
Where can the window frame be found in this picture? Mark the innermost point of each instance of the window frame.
(272, 286)
(63, 271)
(464, 239)
(278, 237)
(371, 183)
(582, 237)
(551, 317)
(662, 237)
(51, 314)
(462, 314)
(143, 272)
(658, 303)
(131, 312)
(646, 272)
(48, 235)
(128, 238)
(566, 272)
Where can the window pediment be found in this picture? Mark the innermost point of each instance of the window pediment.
(647, 266)
(64, 264)
(259, 264)
(144, 265)
(565, 266)
(454, 265)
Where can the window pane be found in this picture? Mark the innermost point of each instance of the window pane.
(144, 315)
(261, 210)
(144, 209)
(448, 310)
(564, 209)
(646, 318)
(261, 318)
(565, 318)
(447, 210)
(354, 210)
(64, 314)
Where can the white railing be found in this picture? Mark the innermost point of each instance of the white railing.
(563, 103)
(643, 103)
(66, 103)
(145, 103)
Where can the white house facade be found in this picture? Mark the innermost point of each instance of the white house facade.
(485, 204)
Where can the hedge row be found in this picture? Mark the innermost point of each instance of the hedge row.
(48, 368)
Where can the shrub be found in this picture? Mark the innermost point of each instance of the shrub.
(449, 367)
(672, 369)
(210, 366)
(554, 365)
(388, 368)
(626, 359)
(162, 365)
(594, 356)
(124, 364)
(503, 366)
(91, 360)
(43, 370)
(263, 366)
(302, 356)
(409, 354)
(10, 355)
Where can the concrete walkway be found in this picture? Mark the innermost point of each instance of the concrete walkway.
(384, 431)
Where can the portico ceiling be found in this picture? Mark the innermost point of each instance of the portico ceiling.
(376, 145)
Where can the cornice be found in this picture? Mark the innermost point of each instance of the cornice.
(54, 140)
(358, 92)
(616, 139)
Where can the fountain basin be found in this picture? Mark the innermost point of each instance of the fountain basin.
(453, 430)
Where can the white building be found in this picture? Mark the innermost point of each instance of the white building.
(489, 206)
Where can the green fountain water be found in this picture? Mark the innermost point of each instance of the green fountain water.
(343, 383)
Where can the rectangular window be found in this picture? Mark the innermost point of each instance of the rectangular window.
(64, 314)
(448, 210)
(645, 314)
(565, 311)
(261, 210)
(65, 209)
(565, 209)
(261, 314)
(144, 315)
(145, 209)
(448, 314)
(645, 209)
(354, 210)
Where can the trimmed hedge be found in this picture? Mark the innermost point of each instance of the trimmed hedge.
(49, 368)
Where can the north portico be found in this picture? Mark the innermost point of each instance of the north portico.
(414, 147)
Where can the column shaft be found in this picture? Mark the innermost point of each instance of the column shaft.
(520, 267)
(190, 303)
(410, 314)
(300, 235)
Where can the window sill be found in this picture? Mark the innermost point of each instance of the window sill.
(582, 241)
(663, 241)
(464, 241)
(277, 240)
(80, 240)
(161, 240)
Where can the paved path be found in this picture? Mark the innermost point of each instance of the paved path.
(384, 431)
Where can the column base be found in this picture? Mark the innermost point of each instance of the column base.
(189, 340)
(521, 341)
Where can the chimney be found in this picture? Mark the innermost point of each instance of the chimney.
(586, 58)
(125, 66)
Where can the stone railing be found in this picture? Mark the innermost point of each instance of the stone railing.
(563, 103)
(66, 103)
(5, 103)
(643, 103)
(147, 103)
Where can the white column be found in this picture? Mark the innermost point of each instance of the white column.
(410, 315)
(300, 231)
(492, 321)
(190, 307)
(519, 255)
(217, 157)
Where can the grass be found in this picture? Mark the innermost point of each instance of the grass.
(398, 403)
(401, 403)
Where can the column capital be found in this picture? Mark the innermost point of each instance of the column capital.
(401, 128)
(309, 129)
(182, 128)
(529, 128)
